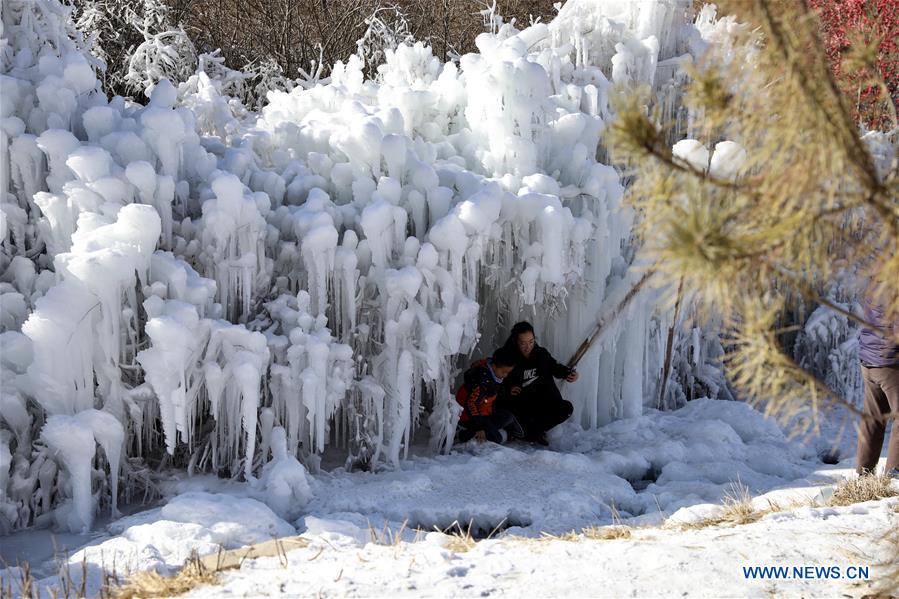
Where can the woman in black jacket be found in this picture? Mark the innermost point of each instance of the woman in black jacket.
(532, 395)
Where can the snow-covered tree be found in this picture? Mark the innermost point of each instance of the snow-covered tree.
(116, 29)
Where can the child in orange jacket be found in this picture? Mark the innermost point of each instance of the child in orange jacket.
(481, 385)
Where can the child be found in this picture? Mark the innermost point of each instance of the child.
(482, 383)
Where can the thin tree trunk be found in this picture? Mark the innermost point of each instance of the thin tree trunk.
(669, 344)
(606, 320)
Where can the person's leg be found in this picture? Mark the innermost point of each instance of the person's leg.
(504, 419)
(492, 426)
(557, 413)
(871, 430)
(523, 408)
(552, 409)
(888, 378)
(465, 432)
(471, 427)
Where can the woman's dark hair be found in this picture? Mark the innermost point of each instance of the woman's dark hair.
(519, 328)
(503, 357)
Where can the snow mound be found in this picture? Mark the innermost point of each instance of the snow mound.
(233, 521)
(163, 539)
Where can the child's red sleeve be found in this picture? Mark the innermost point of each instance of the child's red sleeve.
(471, 403)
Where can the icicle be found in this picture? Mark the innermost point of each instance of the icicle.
(177, 335)
(73, 443)
(248, 378)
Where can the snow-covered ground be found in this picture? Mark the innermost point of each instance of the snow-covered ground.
(652, 563)
(654, 473)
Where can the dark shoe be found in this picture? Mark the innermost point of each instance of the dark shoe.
(515, 431)
(464, 435)
(538, 438)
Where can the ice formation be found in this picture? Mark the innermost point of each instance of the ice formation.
(72, 440)
(283, 484)
(317, 273)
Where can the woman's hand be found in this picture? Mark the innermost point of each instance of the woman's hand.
(571, 377)
(481, 436)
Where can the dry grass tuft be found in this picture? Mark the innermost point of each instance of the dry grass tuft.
(593, 533)
(869, 487)
(21, 586)
(791, 504)
(737, 509)
(607, 533)
(569, 537)
(198, 570)
(152, 584)
(386, 536)
(460, 540)
(617, 530)
(24, 584)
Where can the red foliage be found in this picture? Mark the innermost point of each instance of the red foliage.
(845, 21)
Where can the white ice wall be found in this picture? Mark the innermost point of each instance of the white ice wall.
(325, 266)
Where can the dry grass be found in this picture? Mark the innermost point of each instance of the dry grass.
(461, 539)
(593, 533)
(199, 571)
(617, 530)
(572, 536)
(869, 487)
(152, 584)
(22, 586)
(792, 504)
(386, 536)
(607, 533)
(737, 509)
(195, 572)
